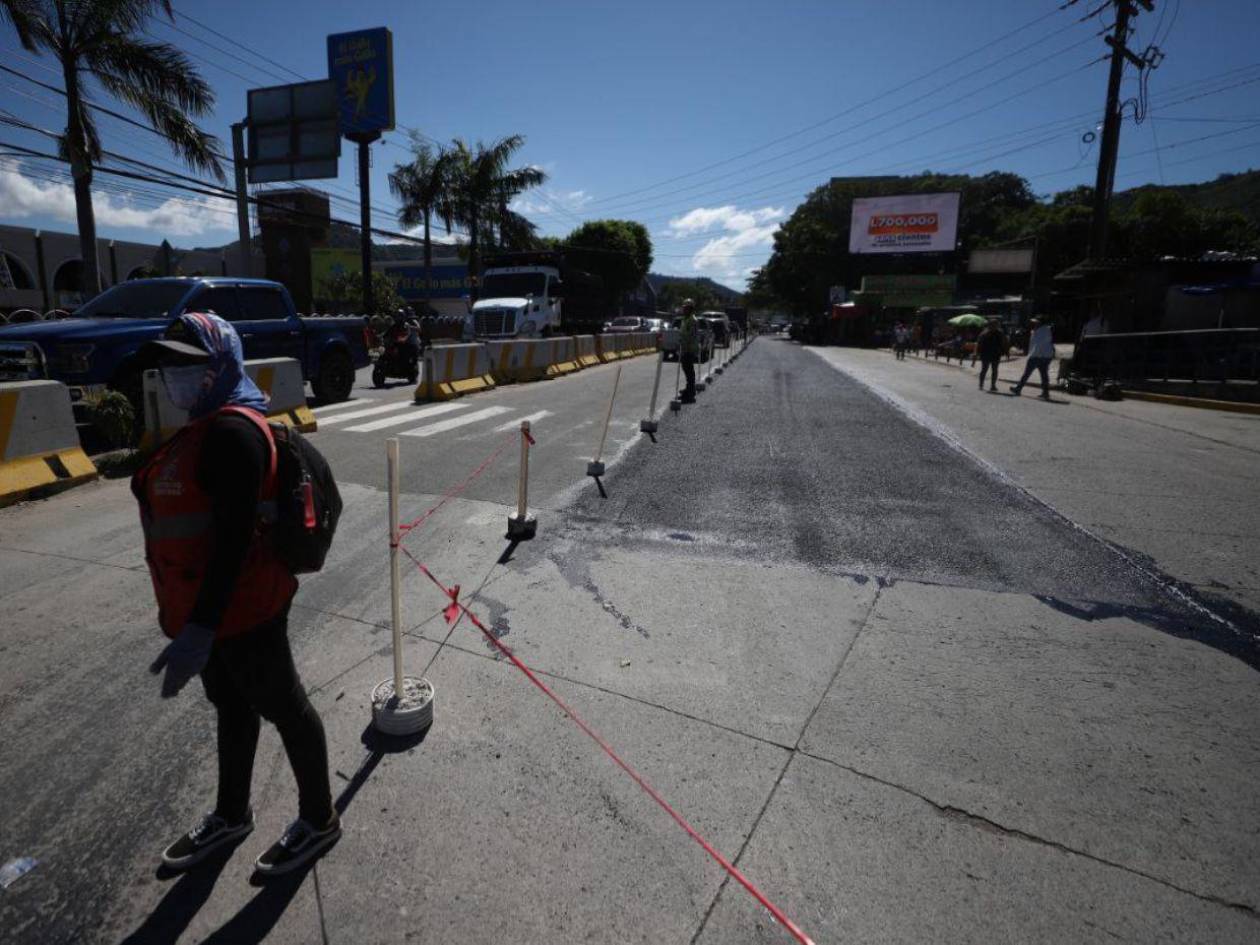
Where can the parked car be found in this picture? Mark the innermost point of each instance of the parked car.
(721, 327)
(627, 323)
(669, 340)
(96, 349)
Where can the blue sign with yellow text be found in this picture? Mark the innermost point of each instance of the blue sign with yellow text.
(362, 66)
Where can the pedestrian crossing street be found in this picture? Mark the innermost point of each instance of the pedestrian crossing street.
(421, 420)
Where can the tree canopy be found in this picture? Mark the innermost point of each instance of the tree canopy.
(811, 248)
(618, 251)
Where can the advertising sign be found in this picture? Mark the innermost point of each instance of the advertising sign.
(1001, 261)
(450, 281)
(913, 223)
(911, 291)
(362, 66)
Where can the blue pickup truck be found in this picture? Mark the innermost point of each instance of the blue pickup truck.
(96, 348)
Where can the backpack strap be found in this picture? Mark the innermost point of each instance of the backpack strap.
(259, 421)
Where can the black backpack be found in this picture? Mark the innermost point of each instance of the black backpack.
(307, 499)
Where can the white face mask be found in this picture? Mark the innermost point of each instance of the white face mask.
(184, 385)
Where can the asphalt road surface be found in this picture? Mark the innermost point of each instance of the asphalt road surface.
(911, 701)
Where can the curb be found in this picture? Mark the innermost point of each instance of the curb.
(1201, 403)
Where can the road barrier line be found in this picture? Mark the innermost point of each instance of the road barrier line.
(454, 423)
(410, 417)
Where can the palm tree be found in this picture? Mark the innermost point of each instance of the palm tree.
(424, 189)
(102, 41)
(483, 184)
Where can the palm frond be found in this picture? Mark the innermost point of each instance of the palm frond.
(26, 18)
(139, 71)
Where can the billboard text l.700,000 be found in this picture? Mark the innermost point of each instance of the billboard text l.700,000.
(913, 223)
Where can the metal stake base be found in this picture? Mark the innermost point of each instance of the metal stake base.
(414, 713)
(648, 426)
(675, 405)
(594, 468)
(522, 529)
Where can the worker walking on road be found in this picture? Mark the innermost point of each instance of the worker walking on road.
(990, 346)
(223, 592)
(689, 348)
(1040, 354)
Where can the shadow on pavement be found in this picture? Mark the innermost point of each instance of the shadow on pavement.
(259, 916)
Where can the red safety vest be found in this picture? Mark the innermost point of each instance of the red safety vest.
(177, 516)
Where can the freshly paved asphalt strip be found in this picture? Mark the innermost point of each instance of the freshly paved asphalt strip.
(909, 700)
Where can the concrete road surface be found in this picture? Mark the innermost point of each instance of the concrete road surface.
(911, 693)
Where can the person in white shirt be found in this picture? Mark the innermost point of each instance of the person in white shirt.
(1040, 354)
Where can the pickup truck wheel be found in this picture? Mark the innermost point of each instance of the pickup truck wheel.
(335, 379)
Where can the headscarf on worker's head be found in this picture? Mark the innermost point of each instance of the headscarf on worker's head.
(225, 382)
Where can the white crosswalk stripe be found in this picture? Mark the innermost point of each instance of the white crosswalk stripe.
(343, 405)
(367, 412)
(410, 416)
(454, 422)
(515, 424)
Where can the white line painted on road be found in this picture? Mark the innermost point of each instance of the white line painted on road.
(368, 412)
(410, 416)
(443, 425)
(342, 405)
(516, 424)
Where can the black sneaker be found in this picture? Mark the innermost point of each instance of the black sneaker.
(300, 844)
(212, 833)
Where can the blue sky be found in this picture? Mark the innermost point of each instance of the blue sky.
(649, 110)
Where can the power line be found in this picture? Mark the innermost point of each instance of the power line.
(848, 111)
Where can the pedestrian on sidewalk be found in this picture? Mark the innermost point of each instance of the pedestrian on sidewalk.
(689, 348)
(990, 344)
(901, 338)
(224, 593)
(1040, 354)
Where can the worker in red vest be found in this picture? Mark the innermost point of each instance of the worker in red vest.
(223, 592)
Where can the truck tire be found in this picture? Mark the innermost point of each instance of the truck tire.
(335, 379)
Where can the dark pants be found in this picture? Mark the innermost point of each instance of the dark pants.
(252, 676)
(1041, 365)
(689, 372)
(987, 365)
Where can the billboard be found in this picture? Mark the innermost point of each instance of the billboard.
(911, 291)
(450, 280)
(293, 132)
(912, 223)
(362, 66)
(1002, 261)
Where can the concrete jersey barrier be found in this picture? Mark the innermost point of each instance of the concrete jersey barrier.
(451, 371)
(520, 360)
(564, 357)
(39, 444)
(279, 378)
(587, 355)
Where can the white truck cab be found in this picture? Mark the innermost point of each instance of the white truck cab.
(517, 302)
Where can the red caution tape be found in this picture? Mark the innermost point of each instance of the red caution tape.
(451, 612)
(528, 436)
(638, 779)
(403, 529)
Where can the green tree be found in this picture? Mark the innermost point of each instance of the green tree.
(424, 190)
(343, 291)
(482, 185)
(618, 251)
(103, 42)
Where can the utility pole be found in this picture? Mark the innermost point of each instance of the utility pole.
(364, 140)
(242, 199)
(1110, 147)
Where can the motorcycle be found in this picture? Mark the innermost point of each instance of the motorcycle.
(398, 358)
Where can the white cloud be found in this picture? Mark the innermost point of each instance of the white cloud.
(21, 196)
(730, 218)
(725, 256)
(551, 202)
